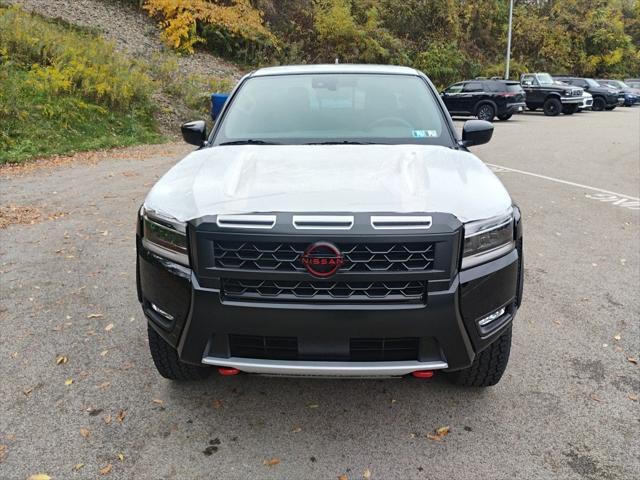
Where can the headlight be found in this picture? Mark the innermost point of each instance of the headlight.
(488, 239)
(165, 237)
(567, 93)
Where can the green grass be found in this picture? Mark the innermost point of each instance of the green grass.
(64, 90)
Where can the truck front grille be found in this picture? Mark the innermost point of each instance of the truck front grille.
(323, 290)
(358, 257)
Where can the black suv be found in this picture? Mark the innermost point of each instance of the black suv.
(604, 98)
(553, 97)
(484, 98)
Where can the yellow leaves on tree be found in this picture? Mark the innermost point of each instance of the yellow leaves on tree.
(179, 20)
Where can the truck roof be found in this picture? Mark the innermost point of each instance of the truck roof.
(335, 68)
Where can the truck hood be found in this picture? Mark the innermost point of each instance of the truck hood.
(329, 178)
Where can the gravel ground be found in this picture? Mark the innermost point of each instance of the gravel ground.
(566, 408)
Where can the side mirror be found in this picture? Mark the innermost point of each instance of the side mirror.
(194, 133)
(217, 102)
(476, 132)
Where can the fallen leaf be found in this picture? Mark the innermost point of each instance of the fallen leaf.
(103, 353)
(271, 462)
(121, 415)
(85, 433)
(617, 337)
(296, 430)
(94, 315)
(158, 401)
(106, 469)
(68, 381)
(3, 452)
(367, 474)
(633, 360)
(595, 397)
(104, 385)
(78, 466)
(61, 359)
(121, 457)
(217, 403)
(440, 433)
(633, 397)
(107, 419)
(343, 477)
(108, 328)
(27, 391)
(313, 405)
(39, 476)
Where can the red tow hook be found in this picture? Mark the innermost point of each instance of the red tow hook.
(228, 371)
(423, 373)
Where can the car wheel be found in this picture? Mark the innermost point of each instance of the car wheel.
(486, 112)
(569, 109)
(552, 107)
(488, 366)
(167, 362)
(598, 104)
(505, 116)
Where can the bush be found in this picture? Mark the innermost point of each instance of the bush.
(233, 29)
(445, 63)
(64, 89)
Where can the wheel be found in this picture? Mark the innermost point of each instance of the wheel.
(598, 104)
(488, 367)
(486, 112)
(505, 116)
(552, 107)
(167, 362)
(533, 109)
(569, 109)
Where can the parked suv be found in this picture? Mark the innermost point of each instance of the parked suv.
(332, 223)
(604, 98)
(631, 95)
(484, 99)
(553, 97)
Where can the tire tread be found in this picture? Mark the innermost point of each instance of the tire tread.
(167, 362)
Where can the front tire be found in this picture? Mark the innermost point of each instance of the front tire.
(598, 104)
(552, 107)
(489, 365)
(505, 116)
(167, 362)
(486, 112)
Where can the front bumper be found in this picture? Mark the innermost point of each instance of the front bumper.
(517, 107)
(571, 100)
(204, 322)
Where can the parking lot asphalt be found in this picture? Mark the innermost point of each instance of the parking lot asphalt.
(80, 397)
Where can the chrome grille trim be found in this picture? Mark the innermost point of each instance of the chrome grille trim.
(323, 222)
(401, 222)
(246, 221)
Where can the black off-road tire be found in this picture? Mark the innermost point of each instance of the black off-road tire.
(167, 362)
(486, 112)
(552, 107)
(598, 104)
(505, 116)
(488, 366)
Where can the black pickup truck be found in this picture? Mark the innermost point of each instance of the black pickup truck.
(553, 97)
(604, 98)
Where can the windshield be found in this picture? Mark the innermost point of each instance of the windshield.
(544, 79)
(591, 82)
(334, 108)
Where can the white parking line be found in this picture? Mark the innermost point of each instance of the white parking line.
(499, 168)
(618, 199)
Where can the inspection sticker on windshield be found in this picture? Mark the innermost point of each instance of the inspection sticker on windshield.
(424, 133)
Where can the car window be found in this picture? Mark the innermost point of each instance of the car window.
(528, 79)
(472, 87)
(544, 79)
(455, 88)
(316, 108)
(513, 87)
(591, 82)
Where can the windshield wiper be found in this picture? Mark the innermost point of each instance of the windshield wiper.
(249, 141)
(346, 142)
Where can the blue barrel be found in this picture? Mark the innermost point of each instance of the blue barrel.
(217, 102)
